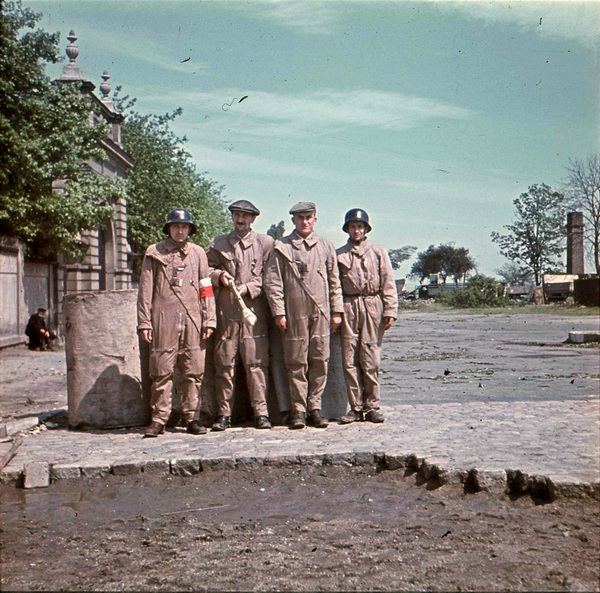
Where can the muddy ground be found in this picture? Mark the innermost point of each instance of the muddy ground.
(308, 529)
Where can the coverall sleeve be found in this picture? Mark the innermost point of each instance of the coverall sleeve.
(214, 262)
(145, 292)
(336, 302)
(389, 294)
(273, 283)
(207, 297)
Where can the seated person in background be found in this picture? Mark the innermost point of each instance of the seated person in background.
(39, 336)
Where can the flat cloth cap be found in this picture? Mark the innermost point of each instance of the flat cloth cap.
(303, 207)
(244, 206)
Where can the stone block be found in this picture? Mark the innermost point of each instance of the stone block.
(65, 471)
(394, 462)
(126, 469)
(186, 466)
(584, 337)
(363, 458)
(10, 477)
(36, 475)
(247, 463)
(159, 466)
(338, 459)
(95, 471)
(218, 463)
(492, 481)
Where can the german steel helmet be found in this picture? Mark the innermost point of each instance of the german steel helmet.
(356, 215)
(179, 215)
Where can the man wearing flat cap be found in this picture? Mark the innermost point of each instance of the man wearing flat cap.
(176, 315)
(303, 289)
(238, 259)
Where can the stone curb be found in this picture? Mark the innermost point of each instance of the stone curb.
(509, 482)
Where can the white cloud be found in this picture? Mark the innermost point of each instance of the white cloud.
(322, 110)
(577, 21)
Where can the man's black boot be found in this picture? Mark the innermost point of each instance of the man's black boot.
(351, 416)
(262, 422)
(194, 427)
(221, 424)
(317, 420)
(154, 430)
(297, 420)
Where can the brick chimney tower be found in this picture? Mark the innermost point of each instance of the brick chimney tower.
(575, 253)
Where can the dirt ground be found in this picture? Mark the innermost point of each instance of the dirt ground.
(308, 529)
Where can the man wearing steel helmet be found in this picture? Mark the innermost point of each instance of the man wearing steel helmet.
(176, 314)
(303, 290)
(370, 308)
(238, 259)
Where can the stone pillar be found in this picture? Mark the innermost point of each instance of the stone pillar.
(575, 251)
(104, 383)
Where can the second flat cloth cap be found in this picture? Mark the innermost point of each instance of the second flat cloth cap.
(244, 206)
(303, 207)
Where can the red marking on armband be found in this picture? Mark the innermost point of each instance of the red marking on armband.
(206, 291)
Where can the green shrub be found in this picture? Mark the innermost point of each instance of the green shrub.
(481, 291)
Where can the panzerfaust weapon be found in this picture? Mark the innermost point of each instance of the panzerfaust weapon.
(248, 317)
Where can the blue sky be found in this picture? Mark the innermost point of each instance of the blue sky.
(432, 116)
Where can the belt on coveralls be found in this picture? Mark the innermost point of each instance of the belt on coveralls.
(362, 294)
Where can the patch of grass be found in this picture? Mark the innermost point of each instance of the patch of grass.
(553, 309)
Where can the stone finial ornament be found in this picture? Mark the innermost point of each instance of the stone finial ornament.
(72, 71)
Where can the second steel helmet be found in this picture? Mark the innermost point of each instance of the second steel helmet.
(182, 216)
(356, 215)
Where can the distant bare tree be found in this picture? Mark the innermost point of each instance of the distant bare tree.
(583, 191)
(513, 273)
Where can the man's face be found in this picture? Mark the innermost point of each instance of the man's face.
(242, 222)
(304, 222)
(41, 313)
(357, 230)
(179, 231)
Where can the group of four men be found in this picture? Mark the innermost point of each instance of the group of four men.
(311, 291)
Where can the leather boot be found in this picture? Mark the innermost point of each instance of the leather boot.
(351, 416)
(154, 430)
(221, 424)
(194, 427)
(297, 420)
(262, 422)
(317, 420)
(374, 416)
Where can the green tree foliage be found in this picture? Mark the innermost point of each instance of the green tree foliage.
(277, 230)
(445, 260)
(480, 291)
(397, 256)
(536, 237)
(164, 177)
(583, 190)
(514, 274)
(44, 137)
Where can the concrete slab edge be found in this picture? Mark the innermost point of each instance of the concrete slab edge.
(13, 427)
(508, 482)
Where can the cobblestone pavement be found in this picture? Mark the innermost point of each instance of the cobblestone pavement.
(495, 402)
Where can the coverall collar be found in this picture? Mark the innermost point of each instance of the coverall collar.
(246, 241)
(172, 246)
(359, 248)
(310, 241)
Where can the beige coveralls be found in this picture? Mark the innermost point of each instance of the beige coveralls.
(302, 283)
(175, 301)
(369, 295)
(244, 258)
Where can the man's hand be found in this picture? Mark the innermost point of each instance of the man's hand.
(336, 321)
(387, 323)
(146, 335)
(226, 279)
(207, 332)
(281, 323)
(242, 289)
